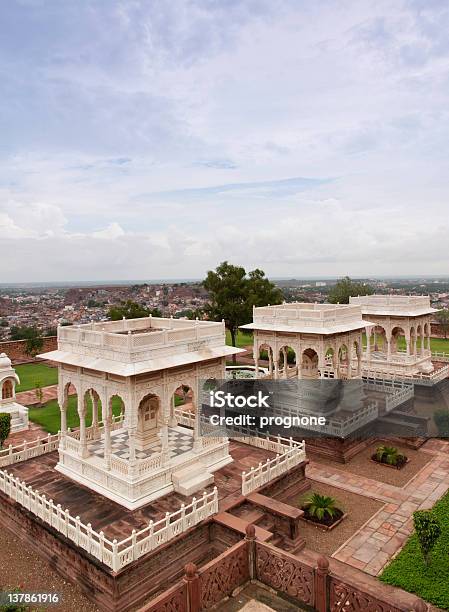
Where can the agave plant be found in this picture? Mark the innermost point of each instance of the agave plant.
(390, 454)
(319, 505)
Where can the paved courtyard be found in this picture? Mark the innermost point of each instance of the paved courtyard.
(384, 534)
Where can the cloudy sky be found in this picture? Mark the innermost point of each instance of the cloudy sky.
(153, 139)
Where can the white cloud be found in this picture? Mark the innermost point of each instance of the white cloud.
(109, 122)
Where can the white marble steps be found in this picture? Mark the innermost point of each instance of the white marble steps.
(191, 479)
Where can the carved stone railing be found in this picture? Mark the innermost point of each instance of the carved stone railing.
(219, 578)
(119, 335)
(272, 468)
(173, 599)
(440, 356)
(28, 450)
(115, 554)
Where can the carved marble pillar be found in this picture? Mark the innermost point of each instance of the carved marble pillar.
(107, 441)
(285, 361)
(270, 361)
(164, 442)
(83, 450)
(132, 444)
(368, 342)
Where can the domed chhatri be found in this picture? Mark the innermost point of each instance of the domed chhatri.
(5, 362)
(8, 404)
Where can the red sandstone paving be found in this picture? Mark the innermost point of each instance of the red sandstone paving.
(23, 568)
(361, 465)
(360, 509)
(33, 433)
(28, 398)
(113, 519)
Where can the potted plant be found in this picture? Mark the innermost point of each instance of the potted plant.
(389, 456)
(322, 510)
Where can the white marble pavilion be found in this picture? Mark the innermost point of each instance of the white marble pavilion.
(323, 339)
(138, 365)
(8, 402)
(390, 318)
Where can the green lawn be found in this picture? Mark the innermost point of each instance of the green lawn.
(409, 571)
(49, 416)
(243, 339)
(31, 373)
(436, 344)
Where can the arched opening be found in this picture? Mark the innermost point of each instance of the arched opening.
(148, 422)
(427, 330)
(286, 362)
(413, 345)
(378, 340)
(309, 364)
(69, 418)
(398, 340)
(420, 339)
(343, 364)
(330, 365)
(266, 355)
(182, 407)
(7, 389)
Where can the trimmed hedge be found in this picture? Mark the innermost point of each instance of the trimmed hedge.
(410, 572)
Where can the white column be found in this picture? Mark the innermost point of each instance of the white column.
(368, 342)
(164, 441)
(82, 416)
(256, 362)
(64, 418)
(173, 421)
(284, 354)
(132, 444)
(197, 442)
(276, 367)
(107, 440)
(270, 361)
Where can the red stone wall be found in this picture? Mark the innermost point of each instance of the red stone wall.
(16, 349)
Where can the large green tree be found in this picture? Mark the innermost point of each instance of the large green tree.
(233, 293)
(346, 288)
(131, 310)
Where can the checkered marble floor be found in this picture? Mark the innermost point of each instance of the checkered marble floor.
(180, 440)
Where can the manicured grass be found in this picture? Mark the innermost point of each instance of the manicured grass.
(243, 339)
(409, 571)
(49, 416)
(436, 344)
(31, 373)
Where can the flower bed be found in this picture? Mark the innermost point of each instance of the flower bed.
(326, 522)
(390, 457)
(401, 462)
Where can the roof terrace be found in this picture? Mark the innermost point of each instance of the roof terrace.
(303, 317)
(144, 344)
(394, 305)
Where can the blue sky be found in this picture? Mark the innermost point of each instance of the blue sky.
(144, 139)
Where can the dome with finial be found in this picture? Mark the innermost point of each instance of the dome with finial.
(5, 362)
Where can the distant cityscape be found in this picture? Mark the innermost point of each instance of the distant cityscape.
(46, 307)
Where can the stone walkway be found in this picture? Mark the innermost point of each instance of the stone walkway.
(385, 533)
(28, 398)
